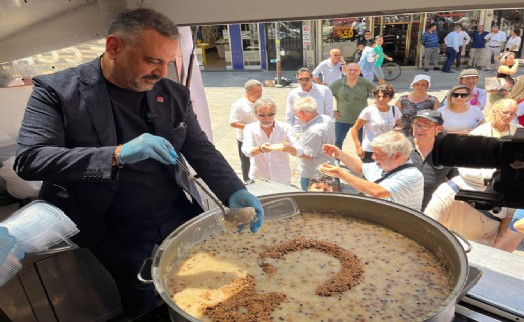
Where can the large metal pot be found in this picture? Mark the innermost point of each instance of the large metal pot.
(430, 234)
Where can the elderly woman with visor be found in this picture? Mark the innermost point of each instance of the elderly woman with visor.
(417, 100)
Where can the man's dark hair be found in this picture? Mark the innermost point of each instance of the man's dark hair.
(517, 32)
(431, 25)
(131, 23)
(324, 178)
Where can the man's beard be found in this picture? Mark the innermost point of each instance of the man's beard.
(267, 125)
(140, 84)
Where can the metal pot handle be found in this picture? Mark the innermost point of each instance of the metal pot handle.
(468, 244)
(139, 275)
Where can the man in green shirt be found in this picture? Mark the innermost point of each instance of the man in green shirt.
(351, 94)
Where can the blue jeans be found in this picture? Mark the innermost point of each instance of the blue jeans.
(451, 57)
(341, 131)
(304, 183)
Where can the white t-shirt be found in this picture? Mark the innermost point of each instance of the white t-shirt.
(377, 122)
(468, 120)
(513, 42)
(242, 112)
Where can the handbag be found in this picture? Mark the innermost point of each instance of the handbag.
(497, 85)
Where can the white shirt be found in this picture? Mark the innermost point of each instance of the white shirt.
(453, 40)
(330, 72)
(273, 165)
(322, 94)
(464, 37)
(496, 40)
(242, 112)
(459, 216)
(377, 122)
(317, 132)
(454, 122)
(479, 175)
(513, 41)
(406, 186)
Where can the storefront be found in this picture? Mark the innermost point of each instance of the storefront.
(402, 33)
(306, 43)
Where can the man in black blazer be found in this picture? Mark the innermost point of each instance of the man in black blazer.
(105, 137)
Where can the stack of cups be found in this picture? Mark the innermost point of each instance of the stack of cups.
(38, 227)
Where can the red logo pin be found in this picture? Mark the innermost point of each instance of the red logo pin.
(160, 99)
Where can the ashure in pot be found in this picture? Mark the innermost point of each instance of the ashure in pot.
(300, 256)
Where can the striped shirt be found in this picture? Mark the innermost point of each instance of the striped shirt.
(406, 186)
(429, 39)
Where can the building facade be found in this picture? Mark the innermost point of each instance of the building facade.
(306, 43)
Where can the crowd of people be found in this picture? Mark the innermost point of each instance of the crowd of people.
(107, 138)
(393, 136)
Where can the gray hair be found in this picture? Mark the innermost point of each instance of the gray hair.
(251, 83)
(392, 142)
(131, 23)
(500, 105)
(305, 70)
(305, 104)
(264, 102)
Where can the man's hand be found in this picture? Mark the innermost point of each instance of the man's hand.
(265, 147)
(360, 152)
(148, 146)
(7, 242)
(337, 115)
(331, 150)
(243, 198)
(331, 170)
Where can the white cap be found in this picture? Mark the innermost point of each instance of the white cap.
(420, 77)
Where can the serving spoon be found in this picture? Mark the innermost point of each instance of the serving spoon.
(231, 219)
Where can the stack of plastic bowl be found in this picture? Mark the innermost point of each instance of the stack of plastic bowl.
(38, 227)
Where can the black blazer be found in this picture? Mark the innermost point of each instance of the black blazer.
(68, 137)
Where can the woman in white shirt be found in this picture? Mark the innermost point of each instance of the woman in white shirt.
(376, 119)
(513, 43)
(459, 116)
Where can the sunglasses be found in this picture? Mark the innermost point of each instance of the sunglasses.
(304, 79)
(457, 95)
(264, 115)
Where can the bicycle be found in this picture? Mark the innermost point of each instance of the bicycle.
(355, 58)
(391, 71)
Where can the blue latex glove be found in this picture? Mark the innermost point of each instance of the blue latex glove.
(148, 146)
(243, 198)
(7, 242)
